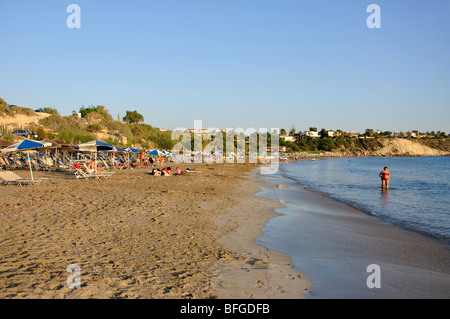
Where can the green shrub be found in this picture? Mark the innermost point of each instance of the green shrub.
(95, 127)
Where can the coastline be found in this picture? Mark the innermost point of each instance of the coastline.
(333, 244)
(140, 236)
(260, 272)
(222, 231)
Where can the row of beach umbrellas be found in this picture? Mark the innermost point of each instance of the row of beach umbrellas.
(25, 145)
(93, 146)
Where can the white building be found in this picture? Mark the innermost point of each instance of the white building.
(288, 138)
(311, 134)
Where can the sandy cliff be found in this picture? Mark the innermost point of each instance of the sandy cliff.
(400, 146)
(21, 119)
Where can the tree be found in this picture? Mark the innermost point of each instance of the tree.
(86, 110)
(323, 133)
(133, 117)
(282, 131)
(49, 110)
(369, 132)
(3, 102)
(313, 129)
(292, 131)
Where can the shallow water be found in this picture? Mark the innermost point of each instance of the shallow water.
(332, 242)
(418, 198)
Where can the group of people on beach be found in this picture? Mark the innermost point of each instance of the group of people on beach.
(142, 161)
(166, 171)
(139, 161)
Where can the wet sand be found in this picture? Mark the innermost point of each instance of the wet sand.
(141, 236)
(333, 244)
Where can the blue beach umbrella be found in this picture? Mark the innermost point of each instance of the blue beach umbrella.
(118, 149)
(156, 152)
(131, 150)
(25, 145)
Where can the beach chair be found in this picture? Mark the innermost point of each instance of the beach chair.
(86, 173)
(80, 174)
(11, 178)
(43, 165)
(105, 174)
(38, 167)
(3, 163)
(11, 163)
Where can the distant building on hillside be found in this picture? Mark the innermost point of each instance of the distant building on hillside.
(351, 134)
(192, 130)
(75, 113)
(288, 138)
(309, 134)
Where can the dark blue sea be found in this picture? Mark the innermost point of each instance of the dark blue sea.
(418, 198)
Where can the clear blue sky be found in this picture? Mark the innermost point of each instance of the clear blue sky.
(234, 63)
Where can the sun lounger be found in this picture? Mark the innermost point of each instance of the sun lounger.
(10, 163)
(11, 178)
(80, 174)
(38, 167)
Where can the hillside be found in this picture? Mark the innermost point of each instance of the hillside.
(409, 147)
(97, 124)
(381, 146)
(21, 119)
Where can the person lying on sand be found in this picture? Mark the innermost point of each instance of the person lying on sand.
(166, 171)
(155, 172)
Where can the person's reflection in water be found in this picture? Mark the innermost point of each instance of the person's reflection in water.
(385, 197)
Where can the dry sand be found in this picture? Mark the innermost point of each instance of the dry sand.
(141, 236)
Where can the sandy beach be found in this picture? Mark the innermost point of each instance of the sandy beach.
(141, 236)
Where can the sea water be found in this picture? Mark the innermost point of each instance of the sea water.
(418, 197)
(329, 245)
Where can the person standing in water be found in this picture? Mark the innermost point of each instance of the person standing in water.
(385, 175)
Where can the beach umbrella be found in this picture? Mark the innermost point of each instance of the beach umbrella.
(156, 152)
(59, 141)
(53, 146)
(95, 146)
(5, 143)
(131, 150)
(115, 149)
(26, 145)
(118, 149)
(67, 148)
